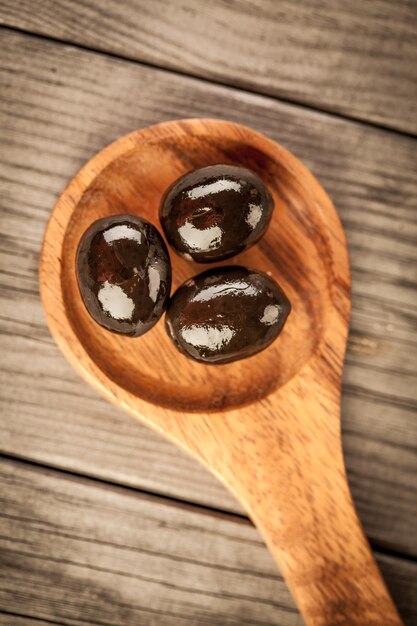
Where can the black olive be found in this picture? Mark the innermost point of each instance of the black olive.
(213, 213)
(225, 314)
(124, 274)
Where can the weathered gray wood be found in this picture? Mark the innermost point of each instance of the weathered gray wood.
(76, 551)
(8, 619)
(356, 58)
(59, 106)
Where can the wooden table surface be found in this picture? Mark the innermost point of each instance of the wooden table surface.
(102, 521)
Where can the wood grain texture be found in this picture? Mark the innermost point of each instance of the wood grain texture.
(58, 119)
(355, 58)
(138, 560)
(11, 619)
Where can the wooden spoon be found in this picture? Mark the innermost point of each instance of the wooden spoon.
(267, 426)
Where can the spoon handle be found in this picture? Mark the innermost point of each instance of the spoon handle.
(288, 471)
(324, 555)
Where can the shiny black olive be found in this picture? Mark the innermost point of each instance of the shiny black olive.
(213, 213)
(124, 274)
(226, 314)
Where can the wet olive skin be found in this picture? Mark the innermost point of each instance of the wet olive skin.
(226, 314)
(215, 212)
(124, 274)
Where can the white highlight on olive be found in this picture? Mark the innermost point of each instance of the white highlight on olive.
(213, 338)
(115, 302)
(122, 231)
(202, 240)
(254, 215)
(271, 314)
(222, 184)
(154, 282)
(236, 288)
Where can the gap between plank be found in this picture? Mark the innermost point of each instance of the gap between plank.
(43, 620)
(166, 499)
(218, 83)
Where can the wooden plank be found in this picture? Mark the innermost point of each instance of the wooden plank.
(9, 619)
(355, 58)
(59, 106)
(76, 551)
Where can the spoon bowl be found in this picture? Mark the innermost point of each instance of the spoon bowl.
(267, 426)
(133, 182)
